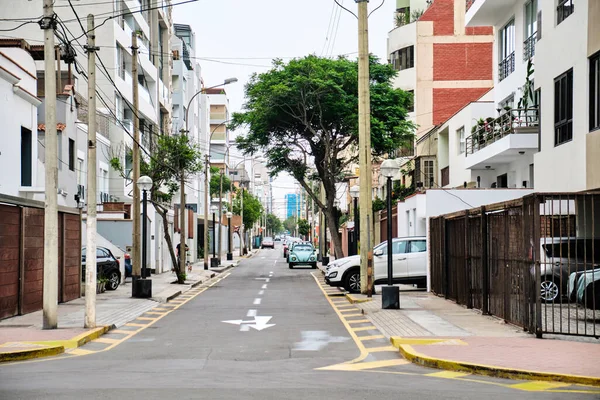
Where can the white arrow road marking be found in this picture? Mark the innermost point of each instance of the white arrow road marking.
(259, 323)
(251, 313)
(316, 340)
(257, 301)
(261, 292)
(264, 286)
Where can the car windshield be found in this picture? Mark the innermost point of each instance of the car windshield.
(268, 239)
(303, 247)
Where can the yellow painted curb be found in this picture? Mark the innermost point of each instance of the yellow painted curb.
(490, 370)
(398, 341)
(355, 300)
(78, 340)
(19, 355)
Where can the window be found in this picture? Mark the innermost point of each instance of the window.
(428, 173)
(121, 62)
(398, 247)
(564, 9)
(71, 155)
(506, 48)
(26, 155)
(595, 92)
(59, 139)
(460, 139)
(563, 108)
(80, 177)
(403, 58)
(418, 246)
(530, 29)
(507, 103)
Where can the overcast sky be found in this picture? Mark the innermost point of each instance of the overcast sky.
(236, 38)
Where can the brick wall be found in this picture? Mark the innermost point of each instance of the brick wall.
(446, 102)
(462, 61)
(441, 12)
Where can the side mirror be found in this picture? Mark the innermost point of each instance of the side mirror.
(378, 253)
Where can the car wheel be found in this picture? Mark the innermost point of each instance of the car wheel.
(550, 291)
(291, 265)
(352, 281)
(113, 280)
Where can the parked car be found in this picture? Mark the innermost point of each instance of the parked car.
(559, 258)
(107, 266)
(409, 265)
(277, 238)
(584, 288)
(303, 254)
(268, 242)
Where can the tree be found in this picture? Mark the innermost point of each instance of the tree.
(253, 209)
(303, 227)
(307, 110)
(215, 182)
(274, 224)
(172, 157)
(290, 224)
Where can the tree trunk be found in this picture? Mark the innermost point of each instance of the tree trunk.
(163, 215)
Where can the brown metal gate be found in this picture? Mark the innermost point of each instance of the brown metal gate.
(9, 260)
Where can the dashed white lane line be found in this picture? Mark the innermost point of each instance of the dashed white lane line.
(257, 301)
(251, 313)
(267, 280)
(264, 286)
(261, 292)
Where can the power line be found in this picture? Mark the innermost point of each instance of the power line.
(17, 27)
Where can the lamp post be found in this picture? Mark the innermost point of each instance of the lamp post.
(354, 193)
(390, 295)
(144, 285)
(229, 254)
(214, 261)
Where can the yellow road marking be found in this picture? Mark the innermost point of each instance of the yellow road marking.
(358, 321)
(353, 315)
(106, 340)
(361, 366)
(81, 352)
(448, 374)
(373, 337)
(538, 386)
(134, 324)
(364, 328)
(347, 307)
(381, 349)
(123, 332)
(146, 318)
(155, 313)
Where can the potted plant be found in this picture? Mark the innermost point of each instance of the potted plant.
(101, 284)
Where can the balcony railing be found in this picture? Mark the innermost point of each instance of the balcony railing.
(529, 46)
(506, 66)
(104, 197)
(511, 122)
(81, 192)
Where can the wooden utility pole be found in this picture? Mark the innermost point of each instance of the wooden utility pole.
(50, 294)
(136, 212)
(364, 144)
(91, 228)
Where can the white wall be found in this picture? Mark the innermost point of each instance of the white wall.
(563, 46)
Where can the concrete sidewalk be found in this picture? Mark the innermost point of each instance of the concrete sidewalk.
(22, 337)
(434, 332)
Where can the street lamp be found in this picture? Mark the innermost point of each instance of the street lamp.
(143, 286)
(229, 254)
(354, 193)
(390, 295)
(214, 261)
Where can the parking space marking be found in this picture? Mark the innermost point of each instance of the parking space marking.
(372, 337)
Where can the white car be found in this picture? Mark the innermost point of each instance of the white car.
(409, 265)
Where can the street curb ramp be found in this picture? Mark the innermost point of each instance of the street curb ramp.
(53, 347)
(409, 353)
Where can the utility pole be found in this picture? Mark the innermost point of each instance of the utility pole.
(206, 189)
(242, 214)
(364, 145)
(220, 211)
(50, 294)
(90, 259)
(136, 213)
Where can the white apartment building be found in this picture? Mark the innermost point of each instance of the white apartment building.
(562, 40)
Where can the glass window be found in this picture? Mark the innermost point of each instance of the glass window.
(428, 173)
(71, 155)
(530, 29)
(403, 58)
(506, 47)
(460, 137)
(101, 253)
(399, 247)
(26, 156)
(418, 246)
(595, 92)
(563, 108)
(564, 9)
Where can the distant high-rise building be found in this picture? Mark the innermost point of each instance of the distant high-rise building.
(291, 205)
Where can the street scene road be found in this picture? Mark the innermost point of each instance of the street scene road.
(259, 331)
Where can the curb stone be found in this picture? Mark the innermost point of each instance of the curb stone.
(415, 357)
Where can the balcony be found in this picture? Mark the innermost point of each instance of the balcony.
(217, 118)
(529, 47)
(506, 66)
(503, 139)
(487, 12)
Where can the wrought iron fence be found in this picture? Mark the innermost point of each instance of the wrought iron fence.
(506, 66)
(524, 261)
(529, 46)
(518, 120)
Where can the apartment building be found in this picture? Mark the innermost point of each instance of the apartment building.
(446, 64)
(218, 105)
(546, 53)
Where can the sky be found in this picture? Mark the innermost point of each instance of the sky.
(236, 38)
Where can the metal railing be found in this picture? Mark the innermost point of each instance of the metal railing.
(493, 130)
(81, 192)
(104, 197)
(529, 46)
(534, 262)
(506, 66)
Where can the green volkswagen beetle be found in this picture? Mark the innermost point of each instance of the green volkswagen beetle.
(302, 254)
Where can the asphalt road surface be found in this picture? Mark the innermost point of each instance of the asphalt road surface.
(281, 328)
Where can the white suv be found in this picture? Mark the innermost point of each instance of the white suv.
(409, 265)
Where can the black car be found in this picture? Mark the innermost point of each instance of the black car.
(107, 266)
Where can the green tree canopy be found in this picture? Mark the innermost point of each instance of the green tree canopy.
(252, 208)
(274, 224)
(290, 224)
(303, 227)
(215, 182)
(306, 110)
